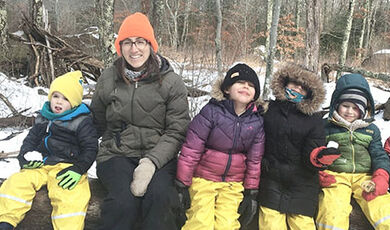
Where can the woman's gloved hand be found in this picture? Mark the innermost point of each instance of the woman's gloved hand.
(142, 176)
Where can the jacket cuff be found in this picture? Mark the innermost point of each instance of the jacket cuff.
(313, 157)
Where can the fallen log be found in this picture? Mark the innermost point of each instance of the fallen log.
(326, 69)
(39, 215)
(16, 121)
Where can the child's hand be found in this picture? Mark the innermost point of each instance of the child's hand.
(248, 206)
(33, 165)
(32, 160)
(326, 179)
(324, 156)
(381, 180)
(68, 177)
(184, 195)
(328, 155)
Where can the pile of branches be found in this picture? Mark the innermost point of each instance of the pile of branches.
(53, 56)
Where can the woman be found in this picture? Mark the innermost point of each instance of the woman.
(141, 109)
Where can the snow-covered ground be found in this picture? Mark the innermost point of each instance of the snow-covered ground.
(27, 99)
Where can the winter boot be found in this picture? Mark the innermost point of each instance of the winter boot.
(6, 226)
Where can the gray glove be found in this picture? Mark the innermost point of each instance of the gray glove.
(142, 176)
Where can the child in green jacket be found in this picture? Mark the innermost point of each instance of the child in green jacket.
(362, 170)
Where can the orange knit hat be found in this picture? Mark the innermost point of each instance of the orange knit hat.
(136, 25)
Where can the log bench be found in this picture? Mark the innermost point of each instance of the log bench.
(38, 218)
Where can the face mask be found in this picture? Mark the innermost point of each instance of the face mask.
(294, 96)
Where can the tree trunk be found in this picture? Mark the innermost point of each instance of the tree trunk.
(299, 7)
(361, 38)
(174, 17)
(245, 37)
(298, 14)
(313, 31)
(184, 32)
(37, 12)
(327, 68)
(218, 42)
(270, 4)
(271, 51)
(157, 19)
(344, 45)
(373, 22)
(3, 29)
(105, 9)
(368, 24)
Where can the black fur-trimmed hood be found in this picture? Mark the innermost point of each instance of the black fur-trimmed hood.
(308, 79)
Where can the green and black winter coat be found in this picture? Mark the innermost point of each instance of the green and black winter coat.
(360, 141)
(144, 118)
(289, 182)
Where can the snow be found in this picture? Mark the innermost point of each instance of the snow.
(384, 51)
(22, 97)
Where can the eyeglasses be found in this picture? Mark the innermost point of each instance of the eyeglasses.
(139, 44)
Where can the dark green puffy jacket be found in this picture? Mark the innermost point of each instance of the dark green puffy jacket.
(361, 147)
(144, 119)
(360, 144)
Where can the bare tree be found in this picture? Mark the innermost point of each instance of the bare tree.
(270, 4)
(185, 21)
(371, 23)
(298, 13)
(37, 12)
(271, 51)
(368, 23)
(313, 31)
(3, 28)
(218, 43)
(299, 9)
(157, 18)
(344, 45)
(105, 11)
(173, 10)
(363, 30)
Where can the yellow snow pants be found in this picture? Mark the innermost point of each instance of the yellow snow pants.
(214, 205)
(69, 206)
(334, 203)
(270, 219)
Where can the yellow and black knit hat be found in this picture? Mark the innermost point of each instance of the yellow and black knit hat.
(70, 85)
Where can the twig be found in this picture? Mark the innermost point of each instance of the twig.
(10, 106)
(9, 154)
(36, 71)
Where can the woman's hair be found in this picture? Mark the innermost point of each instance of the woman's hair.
(151, 65)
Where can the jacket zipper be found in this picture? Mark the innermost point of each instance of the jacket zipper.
(353, 152)
(47, 137)
(132, 113)
(230, 151)
(132, 102)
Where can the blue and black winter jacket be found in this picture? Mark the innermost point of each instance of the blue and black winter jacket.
(71, 138)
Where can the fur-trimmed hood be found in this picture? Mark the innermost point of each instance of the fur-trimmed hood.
(306, 78)
(217, 93)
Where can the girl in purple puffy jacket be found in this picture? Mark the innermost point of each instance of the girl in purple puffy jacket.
(220, 159)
